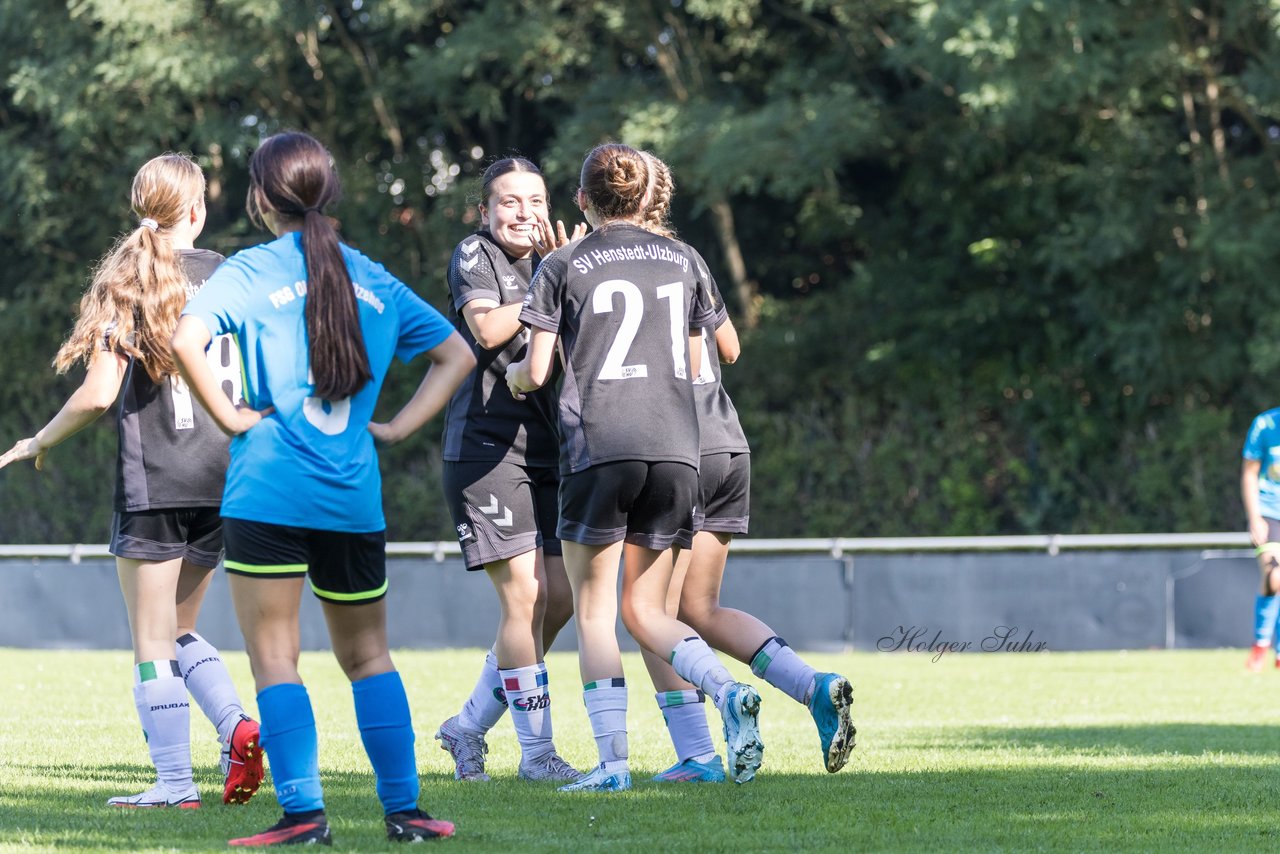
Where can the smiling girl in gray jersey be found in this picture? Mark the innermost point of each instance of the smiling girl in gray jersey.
(500, 476)
(623, 304)
(172, 458)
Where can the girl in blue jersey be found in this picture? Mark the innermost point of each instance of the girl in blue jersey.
(318, 324)
(624, 304)
(501, 477)
(170, 464)
(724, 481)
(1260, 493)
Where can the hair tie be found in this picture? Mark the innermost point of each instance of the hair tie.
(312, 209)
(148, 222)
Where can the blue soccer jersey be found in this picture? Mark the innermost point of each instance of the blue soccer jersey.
(1263, 445)
(312, 462)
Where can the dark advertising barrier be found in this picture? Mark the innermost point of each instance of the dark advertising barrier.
(937, 602)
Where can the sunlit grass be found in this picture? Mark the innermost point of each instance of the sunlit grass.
(1147, 751)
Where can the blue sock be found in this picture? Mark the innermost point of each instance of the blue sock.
(289, 737)
(1266, 610)
(382, 712)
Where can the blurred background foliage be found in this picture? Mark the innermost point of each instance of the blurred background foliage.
(999, 265)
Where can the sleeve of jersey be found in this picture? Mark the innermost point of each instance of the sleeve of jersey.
(471, 274)
(708, 310)
(220, 303)
(422, 328)
(546, 294)
(1253, 442)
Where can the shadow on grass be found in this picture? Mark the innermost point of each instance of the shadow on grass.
(1021, 802)
(1190, 739)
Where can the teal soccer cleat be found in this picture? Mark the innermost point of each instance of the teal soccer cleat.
(829, 705)
(741, 714)
(693, 771)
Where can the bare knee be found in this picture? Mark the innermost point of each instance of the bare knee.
(698, 610)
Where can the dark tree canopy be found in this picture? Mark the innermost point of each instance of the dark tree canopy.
(1001, 266)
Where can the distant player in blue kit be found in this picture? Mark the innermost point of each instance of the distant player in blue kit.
(624, 304)
(1260, 491)
(501, 476)
(724, 481)
(318, 324)
(170, 464)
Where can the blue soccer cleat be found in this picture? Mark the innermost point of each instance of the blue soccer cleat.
(600, 780)
(741, 714)
(829, 705)
(693, 771)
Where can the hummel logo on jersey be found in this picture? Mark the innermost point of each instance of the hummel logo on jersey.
(532, 704)
(492, 510)
(464, 531)
(509, 282)
(469, 263)
(470, 247)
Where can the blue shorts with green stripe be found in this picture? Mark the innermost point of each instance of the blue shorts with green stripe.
(344, 568)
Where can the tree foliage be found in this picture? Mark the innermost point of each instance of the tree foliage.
(1001, 266)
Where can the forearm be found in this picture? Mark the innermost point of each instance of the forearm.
(189, 343)
(433, 393)
(1249, 495)
(495, 327)
(442, 379)
(80, 410)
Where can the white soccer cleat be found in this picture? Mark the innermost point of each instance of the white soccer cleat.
(600, 780)
(159, 795)
(550, 766)
(741, 714)
(468, 750)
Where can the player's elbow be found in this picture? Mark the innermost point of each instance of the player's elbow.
(729, 355)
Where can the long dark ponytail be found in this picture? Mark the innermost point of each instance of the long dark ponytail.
(292, 174)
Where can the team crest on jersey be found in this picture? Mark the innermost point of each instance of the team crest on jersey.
(464, 532)
(509, 282)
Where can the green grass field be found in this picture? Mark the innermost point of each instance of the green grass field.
(1145, 751)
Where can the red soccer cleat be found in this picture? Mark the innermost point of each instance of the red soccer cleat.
(312, 830)
(242, 762)
(1257, 656)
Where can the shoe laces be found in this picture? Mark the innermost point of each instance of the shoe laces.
(471, 751)
(553, 764)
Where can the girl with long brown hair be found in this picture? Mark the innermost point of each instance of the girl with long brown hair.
(166, 533)
(318, 324)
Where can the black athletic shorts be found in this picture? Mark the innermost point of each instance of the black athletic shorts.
(345, 568)
(645, 504)
(724, 484)
(501, 509)
(191, 533)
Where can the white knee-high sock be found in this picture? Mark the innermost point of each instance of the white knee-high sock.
(696, 663)
(161, 699)
(778, 664)
(606, 701)
(687, 724)
(209, 683)
(484, 708)
(530, 705)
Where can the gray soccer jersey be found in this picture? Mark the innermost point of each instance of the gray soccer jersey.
(483, 422)
(720, 430)
(624, 302)
(171, 453)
